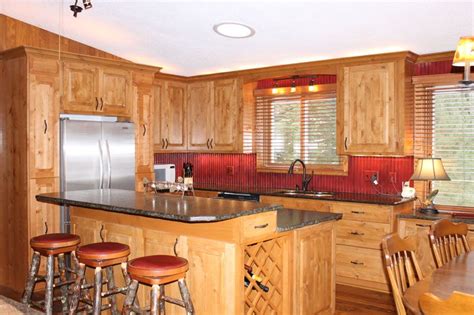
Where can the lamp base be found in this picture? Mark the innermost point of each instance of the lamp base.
(429, 210)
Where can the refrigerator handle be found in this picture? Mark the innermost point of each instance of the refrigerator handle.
(109, 166)
(101, 167)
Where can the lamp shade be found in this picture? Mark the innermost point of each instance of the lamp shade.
(430, 169)
(464, 51)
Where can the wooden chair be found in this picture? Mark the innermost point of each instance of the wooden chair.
(448, 240)
(402, 266)
(457, 304)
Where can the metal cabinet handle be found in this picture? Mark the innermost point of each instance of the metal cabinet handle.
(162, 143)
(174, 247)
(45, 227)
(422, 225)
(261, 226)
(355, 262)
(357, 233)
(470, 230)
(358, 212)
(166, 139)
(100, 233)
(101, 103)
(45, 126)
(96, 103)
(345, 143)
(210, 143)
(144, 129)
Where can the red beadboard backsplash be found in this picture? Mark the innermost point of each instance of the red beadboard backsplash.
(214, 170)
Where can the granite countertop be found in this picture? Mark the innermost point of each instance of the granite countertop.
(454, 217)
(381, 199)
(290, 219)
(176, 208)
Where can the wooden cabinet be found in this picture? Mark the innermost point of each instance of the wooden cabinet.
(170, 116)
(93, 89)
(43, 214)
(200, 115)
(375, 113)
(143, 105)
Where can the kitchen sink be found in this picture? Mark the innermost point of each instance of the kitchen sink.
(308, 193)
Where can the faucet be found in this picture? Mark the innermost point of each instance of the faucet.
(305, 179)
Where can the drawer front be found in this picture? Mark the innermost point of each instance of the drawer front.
(360, 263)
(363, 234)
(363, 212)
(258, 225)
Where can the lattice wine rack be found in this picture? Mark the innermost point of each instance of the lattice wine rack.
(267, 261)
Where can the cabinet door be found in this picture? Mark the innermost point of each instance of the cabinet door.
(200, 114)
(420, 229)
(81, 88)
(43, 213)
(43, 117)
(143, 104)
(470, 236)
(370, 122)
(87, 229)
(125, 234)
(173, 120)
(115, 91)
(227, 135)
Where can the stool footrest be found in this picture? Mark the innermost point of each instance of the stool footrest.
(114, 291)
(173, 300)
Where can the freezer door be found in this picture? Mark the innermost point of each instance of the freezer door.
(81, 157)
(119, 150)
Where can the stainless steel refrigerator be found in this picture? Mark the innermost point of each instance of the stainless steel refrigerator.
(96, 153)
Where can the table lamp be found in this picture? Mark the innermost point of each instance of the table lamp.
(464, 57)
(429, 169)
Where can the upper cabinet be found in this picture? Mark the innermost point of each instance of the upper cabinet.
(374, 111)
(94, 89)
(200, 115)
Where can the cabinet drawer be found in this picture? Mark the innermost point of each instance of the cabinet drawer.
(259, 224)
(360, 263)
(363, 212)
(363, 234)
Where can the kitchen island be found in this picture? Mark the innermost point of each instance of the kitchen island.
(292, 250)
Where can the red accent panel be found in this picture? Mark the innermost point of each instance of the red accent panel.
(211, 170)
(437, 67)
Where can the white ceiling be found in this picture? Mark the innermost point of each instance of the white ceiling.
(178, 35)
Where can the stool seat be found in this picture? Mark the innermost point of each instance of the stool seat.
(54, 241)
(103, 251)
(157, 266)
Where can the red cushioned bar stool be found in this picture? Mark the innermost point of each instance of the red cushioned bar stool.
(51, 246)
(99, 255)
(157, 271)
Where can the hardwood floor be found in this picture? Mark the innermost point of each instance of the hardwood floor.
(351, 301)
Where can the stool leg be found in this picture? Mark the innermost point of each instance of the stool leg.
(63, 278)
(155, 297)
(30, 282)
(97, 291)
(48, 298)
(128, 281)
(110, 286)
(162, 301)
(76, 288)
(131, 294)
(188, 304)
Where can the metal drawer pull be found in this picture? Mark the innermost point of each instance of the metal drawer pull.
(355, 262)
(96, 103)
(358, 212)
(261, 226)
(101, 103)
(470, 230)
(45, 126)
(144, 130)
(422, 225)
(357, 233)
(345, 143)
(162, 143)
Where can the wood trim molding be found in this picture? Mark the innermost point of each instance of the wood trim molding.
(447, 78)
(433, 57)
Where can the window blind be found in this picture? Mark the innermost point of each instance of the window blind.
(296, 126)
(444, 128)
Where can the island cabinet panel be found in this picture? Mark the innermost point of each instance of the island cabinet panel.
(200, 115)
(43, 115)
(314, 263)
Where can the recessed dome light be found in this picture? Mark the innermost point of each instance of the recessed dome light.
(234, 30)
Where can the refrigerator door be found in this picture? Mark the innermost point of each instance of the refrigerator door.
(118, 140)
(81, 158)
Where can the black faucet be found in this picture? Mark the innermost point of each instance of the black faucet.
(305, 179)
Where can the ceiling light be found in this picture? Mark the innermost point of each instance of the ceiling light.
(87, 4)
(234, 30)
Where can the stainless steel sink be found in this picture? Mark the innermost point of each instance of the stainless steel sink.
(315, 194)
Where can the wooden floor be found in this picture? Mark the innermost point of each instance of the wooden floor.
(350, 300)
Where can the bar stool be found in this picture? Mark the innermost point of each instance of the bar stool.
(98, 256)
(157, 271)
(50, 246)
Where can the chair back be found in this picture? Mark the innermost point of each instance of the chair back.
(457, 304)
(448, 240)
(402, 266)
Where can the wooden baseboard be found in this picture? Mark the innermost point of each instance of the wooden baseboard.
(369, 285)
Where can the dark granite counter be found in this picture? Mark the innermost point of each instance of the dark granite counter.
(290, 219)
(454, 217)
(176, 208)
(390, 200)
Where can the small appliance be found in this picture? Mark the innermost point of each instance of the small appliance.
(165, 172)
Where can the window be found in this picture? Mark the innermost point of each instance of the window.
(299, 125)
(444, 128)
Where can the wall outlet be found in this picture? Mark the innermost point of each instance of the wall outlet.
(368, 175)
(393, 177)
(229, 170)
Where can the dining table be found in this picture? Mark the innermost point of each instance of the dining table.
(455, 275)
